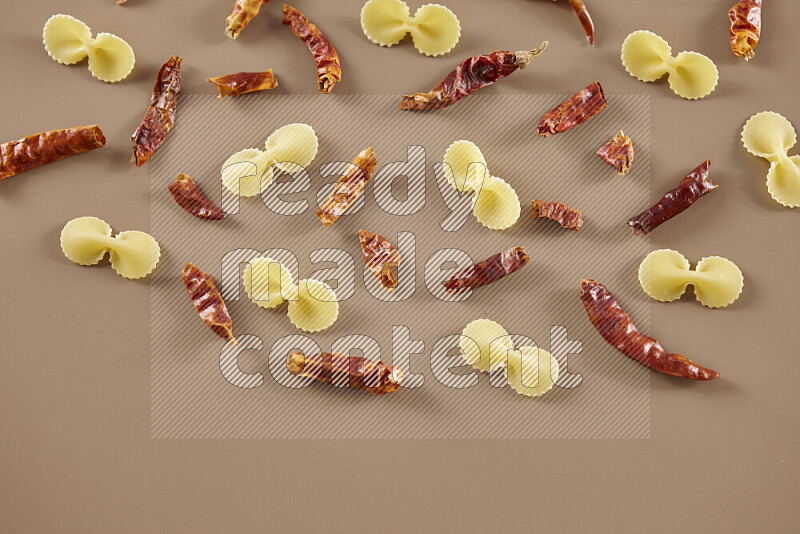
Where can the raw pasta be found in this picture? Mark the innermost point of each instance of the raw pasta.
(664, 275)
(86, 240)
(268, 283)
(495, 203)
(68, 40)
(316, 307)
(484, 344)
(648, 57)
(248, 172)
(531, 371)
(769, 135)
(434, 29)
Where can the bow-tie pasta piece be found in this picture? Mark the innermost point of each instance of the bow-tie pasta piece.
(665, 274)
(316, 307)
(68, 40)
(648, 57)
(434, 29)
(133, 254)
(268, 283)
(496, 205)
(769, 135)
(485, 344)
(464, 166)
(531, 371)
(248, 172)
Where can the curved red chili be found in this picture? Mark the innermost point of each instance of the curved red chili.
(373, 376)
(208, 301)
(189, 196)
(573, 111)
(329, 70)
(489, 270)
(745, 20)
(160, 115)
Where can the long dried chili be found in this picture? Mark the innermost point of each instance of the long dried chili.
(160, 115)
(745, 20)
(46, 147)
(472, 74)
(696, 184)
(585, 19)
(381, 257)
(567, 217)
(244, 82)
(616, 327)
(373, 376)
(573, 111)
(348, 188)
(489, 270)
(618, 153)
(189, 196)
(329, 70)
(243, 13)
(208, 301)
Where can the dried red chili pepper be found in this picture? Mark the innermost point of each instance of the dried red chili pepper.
(189, 196)
(472, 74)
(244, 82)
(348, 188)
(567, 217)
(160, 115)
(745, 20)
(618, 153)
(573, 111)
(616, 327)
(696, 184)
(329, 70)
(373, 376)
(585, 19)
(243, 13)
(120, 2)
(208, 301)
(46, 147)
(489, 270)
(381, 256)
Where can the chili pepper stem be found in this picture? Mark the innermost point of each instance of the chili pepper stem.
(524, 58)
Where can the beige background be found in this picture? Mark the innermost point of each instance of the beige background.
(76, 454)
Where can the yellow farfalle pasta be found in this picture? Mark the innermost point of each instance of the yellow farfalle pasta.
(434, 29)
(495, 203)
(248, 172)
(769, 135)
(486, 346)
(312, 304)
(133, 254)
(665, 274)
(648, 57)
(68, 40)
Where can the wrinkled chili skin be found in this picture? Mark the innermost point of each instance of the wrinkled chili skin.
(348, 188)
(244, 82)
(370, 375)
(573, 111)
(618, 153)
(160, 115)
(616, 327)
(567, 217)
(243, 12)
(745, 20)
(696, 184)
(46, 147)
(329, 70)
(380, 256)
(585, 19)
(189, 196)
(208, 301)
(489, 270)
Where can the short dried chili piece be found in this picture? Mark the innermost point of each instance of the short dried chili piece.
(745, 20)
(348, 188)
(584, 18)
(618, 153)
(46, 147)
(381, 256)
(489, 270)
(160, 115)
(573, 111)
(208, 301)
(244, 82)
(243, 13)
(370, 375)
(472, 74)
(189, 196)
(696, 184)
(329, 70)
(567, 217)
(616, 327)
